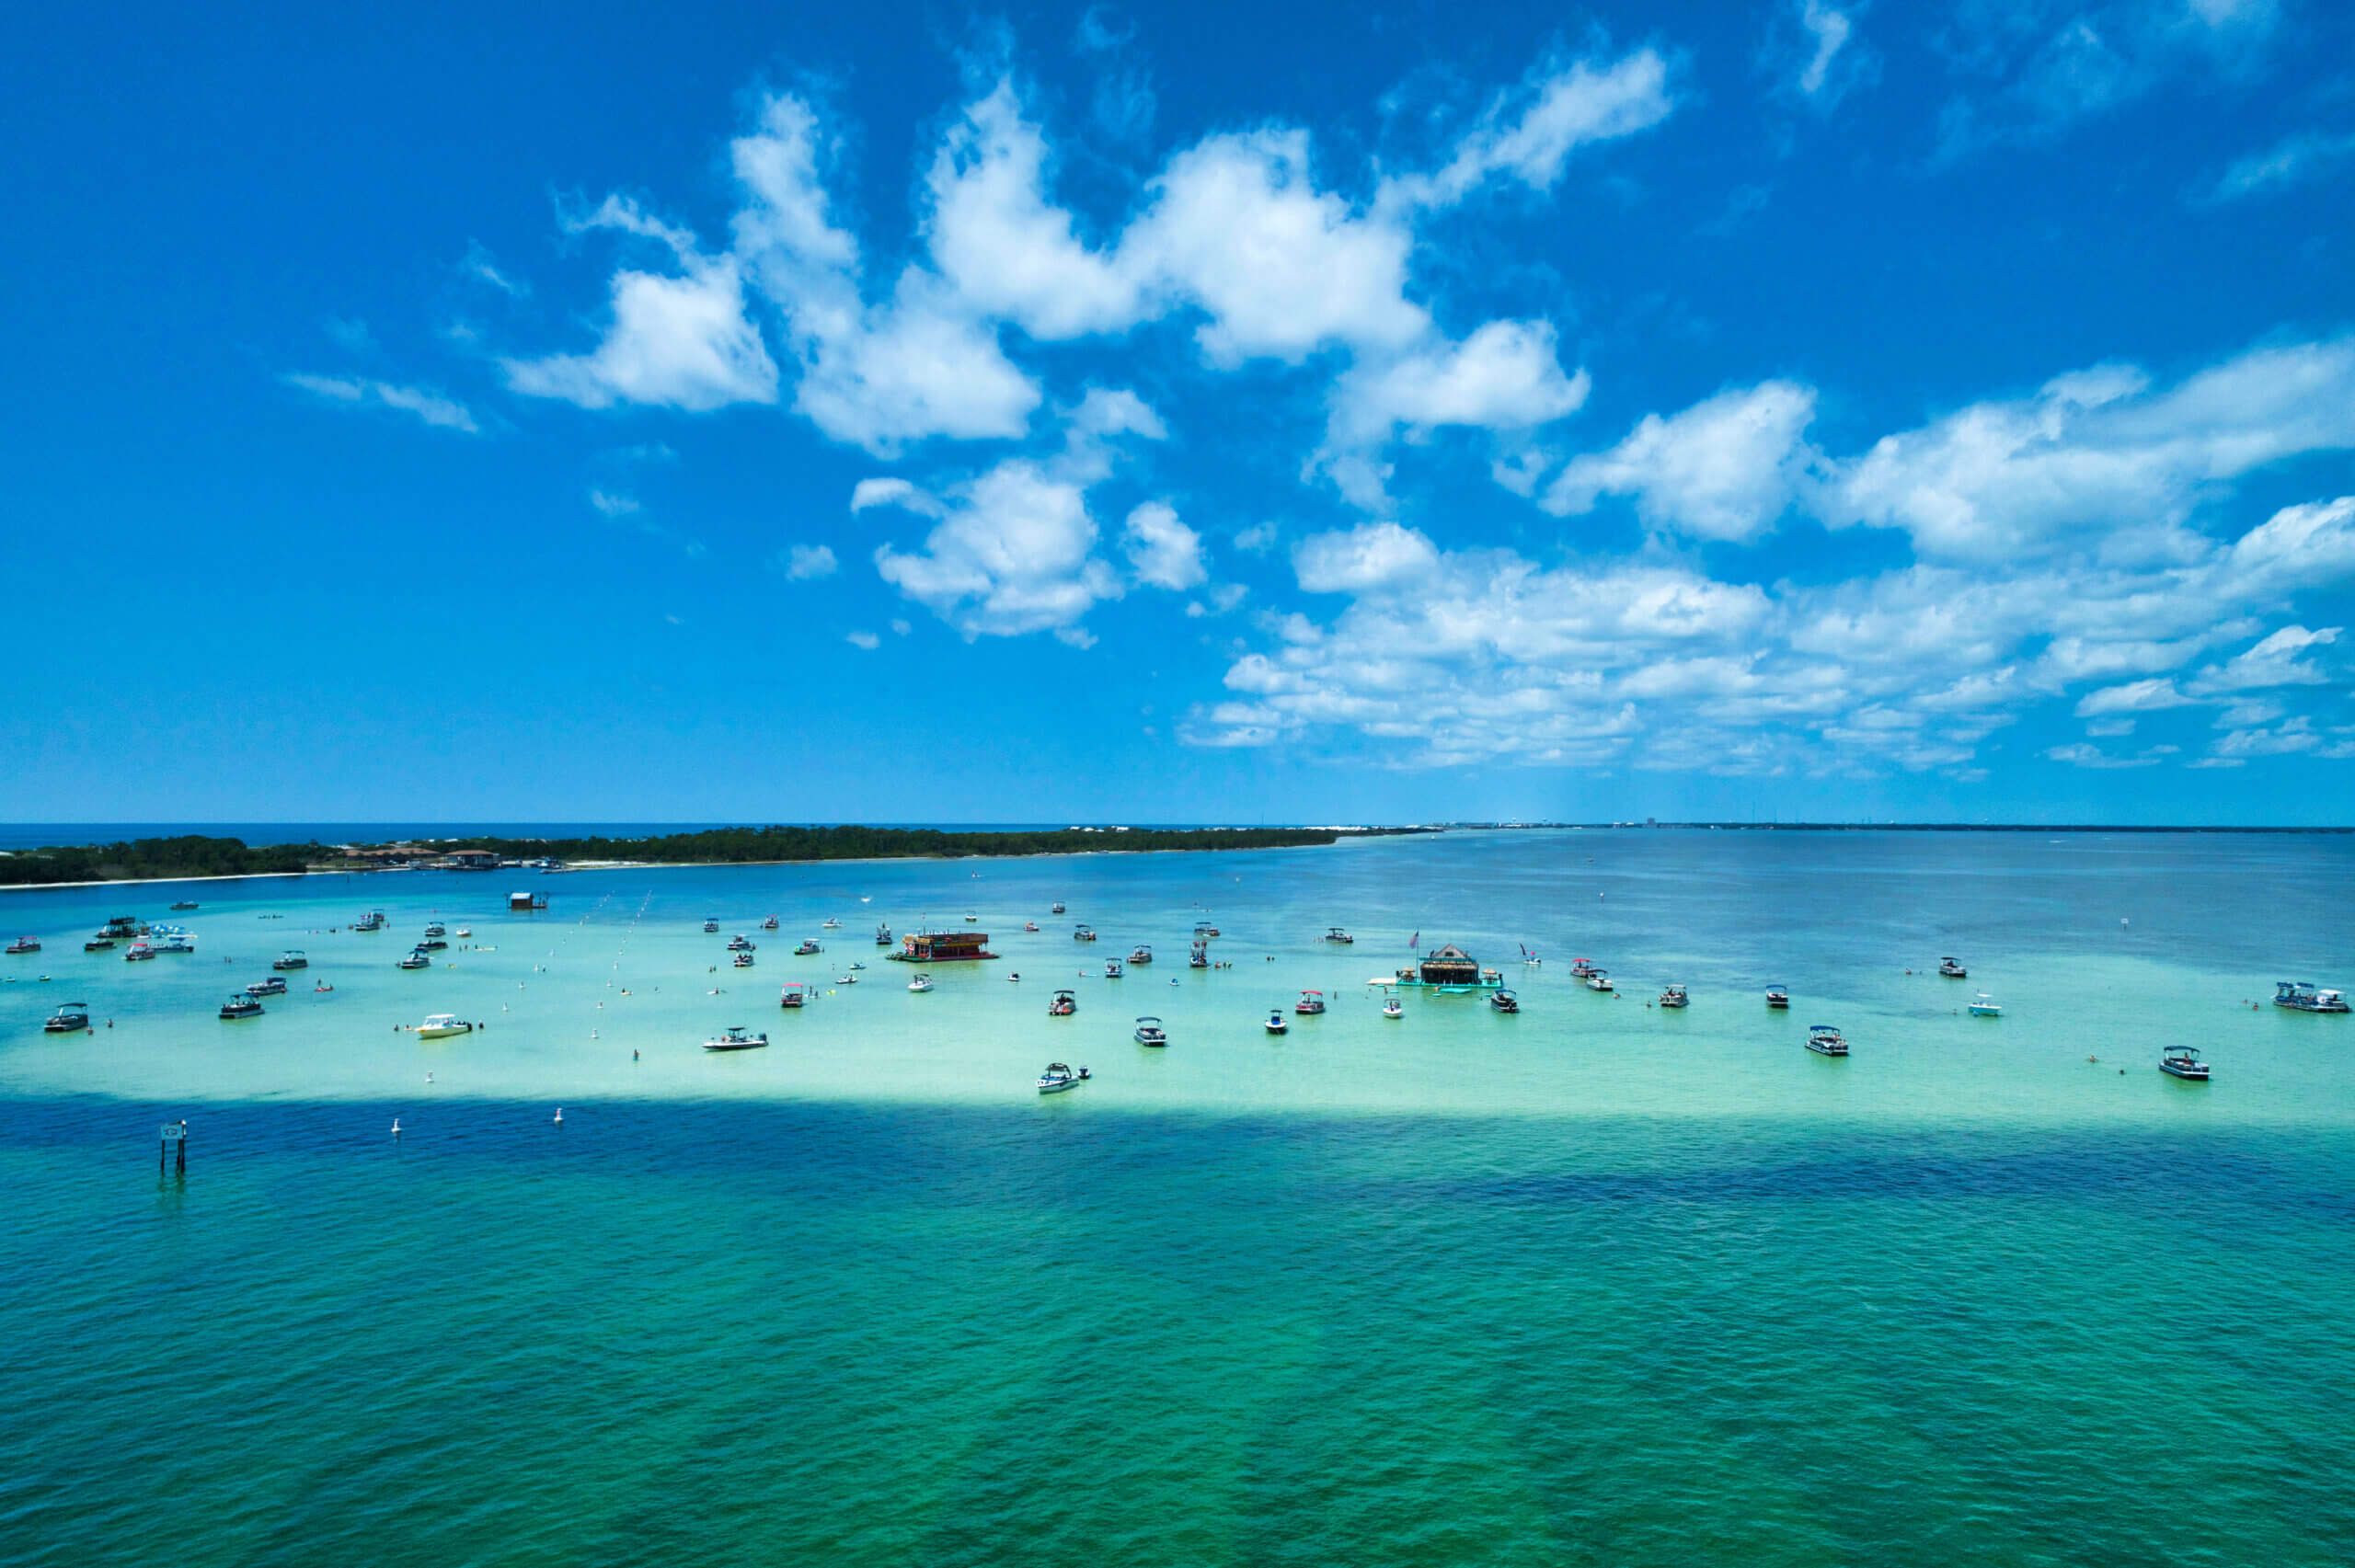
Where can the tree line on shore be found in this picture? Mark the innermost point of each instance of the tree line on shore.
(189, 854)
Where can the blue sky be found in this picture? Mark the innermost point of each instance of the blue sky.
(1216, 412)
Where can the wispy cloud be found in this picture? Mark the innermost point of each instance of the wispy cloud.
(2294, 160)
(443, 413)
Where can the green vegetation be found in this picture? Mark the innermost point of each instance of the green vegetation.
(855, 842)
(142, 860)
(139, 860)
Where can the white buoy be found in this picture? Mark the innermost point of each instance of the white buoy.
(559, 1115)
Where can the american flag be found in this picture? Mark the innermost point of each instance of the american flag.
(1415, 941)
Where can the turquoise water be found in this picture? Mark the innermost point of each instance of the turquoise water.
(1592, 1283)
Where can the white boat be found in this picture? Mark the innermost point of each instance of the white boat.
(1311, 1002)
(441, 1025)
(795, 994)
(1826, 1041)
(1112, 970)
(920, 983)
(465, 930)
(1673, 996)
(1063, 1006)
(1985, 1006)
(1504, 1001)
(1276, 1024)
(1952, 970)
(736, 1037)
(1059, 1077)
(417, 959)
(743, 960)
(2305, 996)
(1599, 979)
(830, 923)
(845, 980)
(2184, 1062)
(1391, 1009)
(175, 942)
(1150, 1032)
(1335, 934)
(1778, 996)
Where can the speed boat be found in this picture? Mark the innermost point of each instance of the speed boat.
(830, 923)
(1276, 1024)
(1826, 1041)
(1390, 1009)
(1029, 925)
(1598, 980)
(1778, 996)
(1150, 1032)
(1311, 1002)
(70, 1019)
(442, 1025)
(1504, 1001)
(241, 1006)
(274, 986)
(1673, 996)
(1952, 970)
(735, 1037)
(1985, 1006)
(2184, 1062)
(1063, 1006)
(1060, 1077)
(920, 983)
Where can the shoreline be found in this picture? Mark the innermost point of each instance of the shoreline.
(657, 866)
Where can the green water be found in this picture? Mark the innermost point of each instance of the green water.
(1592, 1283)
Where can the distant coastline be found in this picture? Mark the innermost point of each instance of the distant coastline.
(198, 858)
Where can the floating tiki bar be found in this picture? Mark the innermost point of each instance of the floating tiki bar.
(1450, 968)
(942, 947)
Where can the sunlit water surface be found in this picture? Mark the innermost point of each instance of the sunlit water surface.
(1596, 1283)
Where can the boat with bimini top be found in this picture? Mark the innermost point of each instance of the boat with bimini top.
(2305, 996)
